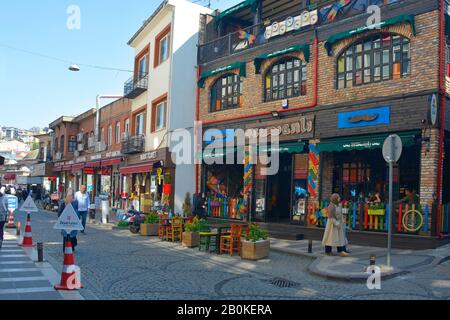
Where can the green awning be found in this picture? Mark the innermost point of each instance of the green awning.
(295, 147)
(389, 22)
(365, 142)
(237, 65)
(301, 47)
(243, 5)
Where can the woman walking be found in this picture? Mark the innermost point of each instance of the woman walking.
(3, 215)
(334, 235)
(73, 234)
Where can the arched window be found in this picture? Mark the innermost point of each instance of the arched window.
(226, 93)
(286, 79)
(379, 57)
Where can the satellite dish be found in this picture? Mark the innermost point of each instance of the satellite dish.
(74, 67)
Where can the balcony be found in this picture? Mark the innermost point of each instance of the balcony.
(135, 144)
(136, 86)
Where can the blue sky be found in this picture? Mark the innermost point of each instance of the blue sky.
(35, 91)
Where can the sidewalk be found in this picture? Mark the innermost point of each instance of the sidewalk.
(21, 278)
(353, 268)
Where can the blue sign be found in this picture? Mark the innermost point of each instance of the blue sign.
(13, 203)
(227, 135)
(365, 118)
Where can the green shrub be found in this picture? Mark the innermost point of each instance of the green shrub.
(122, 224)
(256, 233)
(197, 225)
(152, 218)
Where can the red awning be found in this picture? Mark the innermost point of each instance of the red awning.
(111, 162)
(93, 164)
(78, 167)
(57, 169)
(136, 169)
(9, 176)
(66, 168)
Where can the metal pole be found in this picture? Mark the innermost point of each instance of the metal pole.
(40, 252)
(391, 188)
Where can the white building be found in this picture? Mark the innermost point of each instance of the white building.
(163, 90)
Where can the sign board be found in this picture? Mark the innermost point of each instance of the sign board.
(29, 205)
(69, 220)
(13, 202)
(433, 109)
(364, 118)
(392, 146)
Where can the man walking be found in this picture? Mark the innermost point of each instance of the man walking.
(82, 198)
(3, 213)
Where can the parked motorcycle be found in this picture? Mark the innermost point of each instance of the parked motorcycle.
(135, 221)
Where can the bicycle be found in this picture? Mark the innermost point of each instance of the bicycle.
(413, 221)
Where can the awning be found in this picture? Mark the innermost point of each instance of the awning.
(66, 168)
(238, 65)
(136, 169)
(234, 9)
(9, 176)
(364, 142)
(301, 47)
(78, 167)
(295, 147)
(111, 162)
(57, 169)
(389, 22)
(93, 164)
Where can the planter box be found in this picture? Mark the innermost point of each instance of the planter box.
(149, 230)
(255, 250)
(191, 239)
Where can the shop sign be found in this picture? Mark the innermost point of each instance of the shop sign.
(89, 171)
(362, 144)
(364, 118)
(432, 101)
(307, 18)
(69, 163)
(260, 205)
(106, 172)
(96, 157)
(149, 156)
(38, 170)
(113, 154)
(81, 159)
(304, 126)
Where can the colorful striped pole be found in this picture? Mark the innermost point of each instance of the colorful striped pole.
(426, 215)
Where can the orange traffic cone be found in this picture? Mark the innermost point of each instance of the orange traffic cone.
(11, 224)
(28, 237)
(69, 279)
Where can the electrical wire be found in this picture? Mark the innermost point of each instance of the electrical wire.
(37, 54)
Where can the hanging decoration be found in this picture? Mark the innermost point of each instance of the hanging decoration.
(244, 35)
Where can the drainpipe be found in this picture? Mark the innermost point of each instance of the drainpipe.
(197, 118)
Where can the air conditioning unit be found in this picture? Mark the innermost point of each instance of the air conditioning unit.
(91, 142)
(58, 156)
(80, 147)
(80, 137)
(76, 154)
(101, 146)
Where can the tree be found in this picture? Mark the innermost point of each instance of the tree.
(187, 206)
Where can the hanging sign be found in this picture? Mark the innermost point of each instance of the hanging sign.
(433, 109)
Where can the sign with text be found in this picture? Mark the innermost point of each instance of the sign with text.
(69, 220)
(29, 205)
(13, 203)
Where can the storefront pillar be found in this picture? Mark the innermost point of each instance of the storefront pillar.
(314, 173)
(248, 181)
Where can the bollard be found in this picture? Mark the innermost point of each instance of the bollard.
(18, 228)
(373, 260)
(310, 244)
(40, 251)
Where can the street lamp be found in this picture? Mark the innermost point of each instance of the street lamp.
(74, 68)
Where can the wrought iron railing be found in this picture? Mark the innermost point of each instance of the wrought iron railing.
(134, 144)
(135, 86)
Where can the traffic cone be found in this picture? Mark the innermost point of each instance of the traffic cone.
(68, 276)
(11, 224)
(28, 237)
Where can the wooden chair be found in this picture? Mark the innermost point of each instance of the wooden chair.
(162, 226)
(232, 243)
(174, 232)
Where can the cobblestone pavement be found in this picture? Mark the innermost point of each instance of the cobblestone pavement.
(116, 264)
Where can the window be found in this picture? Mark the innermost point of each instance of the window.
(110, 135)
(160, 118)
(102, 136)
(140, 124)
(127, 127)
(376, 58)
(226, 93)
(72, 144)
(118, 133)
(162, 46)
(286, 79)
(143, 67)
(62, 144)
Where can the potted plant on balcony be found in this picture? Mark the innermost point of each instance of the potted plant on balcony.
(256, 245)
(191, 234)
(150, 225)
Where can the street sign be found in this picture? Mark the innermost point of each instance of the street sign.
(392, 148)
(29, 206)
(13, 202)
(69, 220)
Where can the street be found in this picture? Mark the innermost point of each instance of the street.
(116, 264)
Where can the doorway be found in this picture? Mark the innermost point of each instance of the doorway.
(279, 189)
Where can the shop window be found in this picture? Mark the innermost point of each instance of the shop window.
(226, 93)
(380, 57)
(286, 79)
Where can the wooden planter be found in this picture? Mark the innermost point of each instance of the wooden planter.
(255, 250)
(149, 230)
(191, 239)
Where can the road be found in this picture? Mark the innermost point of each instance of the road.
(116, 264)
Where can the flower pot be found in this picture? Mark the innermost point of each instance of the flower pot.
(255, 250)
(191, 239)
(149, 230)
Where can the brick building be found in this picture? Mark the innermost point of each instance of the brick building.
(335, 87)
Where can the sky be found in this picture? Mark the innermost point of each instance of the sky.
(35, 90)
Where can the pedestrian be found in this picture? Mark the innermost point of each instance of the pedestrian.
(38, 197)
(73, 234)
(24, 194)
(334, 235)
(82, 198)
(200, 206)
(3, 214)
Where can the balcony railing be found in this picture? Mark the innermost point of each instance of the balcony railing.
(136, 86)
(133, 144)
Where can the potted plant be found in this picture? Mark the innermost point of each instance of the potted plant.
(150, 225)
(191, 235)
(256, 244)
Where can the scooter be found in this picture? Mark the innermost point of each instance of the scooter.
(135, 221)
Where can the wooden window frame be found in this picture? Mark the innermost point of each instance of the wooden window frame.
(143, 110)
(217, 89)
(144, 52)
(167, 30)
(155, 103)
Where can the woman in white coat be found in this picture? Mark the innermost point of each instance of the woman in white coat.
(334, 235)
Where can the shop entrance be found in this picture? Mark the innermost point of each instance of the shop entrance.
(279, 190)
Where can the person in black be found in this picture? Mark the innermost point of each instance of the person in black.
(200, 206)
